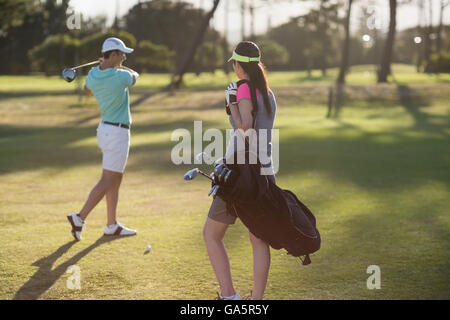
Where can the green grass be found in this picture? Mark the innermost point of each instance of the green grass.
(12, 86)
(375, 174)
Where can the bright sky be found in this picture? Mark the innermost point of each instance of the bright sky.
(273, 12)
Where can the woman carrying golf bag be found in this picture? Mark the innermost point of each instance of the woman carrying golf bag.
(247, 65)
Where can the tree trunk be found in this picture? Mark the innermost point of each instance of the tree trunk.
(243, 20)
(439, 31)
(325, 40)
(427, 43)
(184, 65)
(346, 48)
(420, 33)
(225, 49)
(385, 67)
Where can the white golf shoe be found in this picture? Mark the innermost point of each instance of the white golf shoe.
(119, 229)
(77, 224)
(235, 296)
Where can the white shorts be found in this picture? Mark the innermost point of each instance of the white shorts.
(115, 145)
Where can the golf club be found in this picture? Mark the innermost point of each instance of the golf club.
(69, 73)
(213, 190)
(191, 174)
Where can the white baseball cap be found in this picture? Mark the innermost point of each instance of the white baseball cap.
(115, 44)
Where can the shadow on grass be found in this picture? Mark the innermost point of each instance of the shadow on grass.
(313, 78)
(362, 158)
(36, 93)
(370, 160)
(25, 148)
(413, 101)
(44, 278)
(409, 243)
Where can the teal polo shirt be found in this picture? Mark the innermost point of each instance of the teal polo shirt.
(110, 89)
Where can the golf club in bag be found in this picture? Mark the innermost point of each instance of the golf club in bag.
(219, 174)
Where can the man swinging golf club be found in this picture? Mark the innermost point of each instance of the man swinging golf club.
(109, 84)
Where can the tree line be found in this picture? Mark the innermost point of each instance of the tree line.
(174, 36)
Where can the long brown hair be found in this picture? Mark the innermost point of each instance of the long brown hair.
(255, 70)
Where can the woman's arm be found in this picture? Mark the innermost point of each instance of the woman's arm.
(242, 114)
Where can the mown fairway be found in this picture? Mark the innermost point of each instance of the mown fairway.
(376, 174)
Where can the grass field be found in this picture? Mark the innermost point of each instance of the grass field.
(376, 175)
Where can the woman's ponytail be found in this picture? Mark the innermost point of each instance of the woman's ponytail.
(255, 70)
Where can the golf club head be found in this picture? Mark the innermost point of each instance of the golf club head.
(69, 74)
(191, 174)
(224, 174)
(219, 168)
(213, 190)
(220, 171)
(219, 161)
(227, 176)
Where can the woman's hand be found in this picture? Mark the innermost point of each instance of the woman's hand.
(230, 96)
(231, 93)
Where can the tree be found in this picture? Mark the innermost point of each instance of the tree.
(385, 66)
(210, 59)
(288, 35)
(440, 63)
(346, 46)
(304, 42)
(23, 31)
(428, 46)
(46, 56)
(170, 23)
(369, 25)
(13, 12)
(274, 54)
(153, 57)
(444, 4)
(183, 66)
(322, 23)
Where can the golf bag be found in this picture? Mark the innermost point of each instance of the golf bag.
(272, 214)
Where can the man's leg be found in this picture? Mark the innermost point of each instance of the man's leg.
(108, 179)
(261, 265)
(213, 233)
(112, 197)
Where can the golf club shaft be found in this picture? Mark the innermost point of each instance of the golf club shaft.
(204, 174)
(86, 64)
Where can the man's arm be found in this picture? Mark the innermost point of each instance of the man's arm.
(133, 73)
